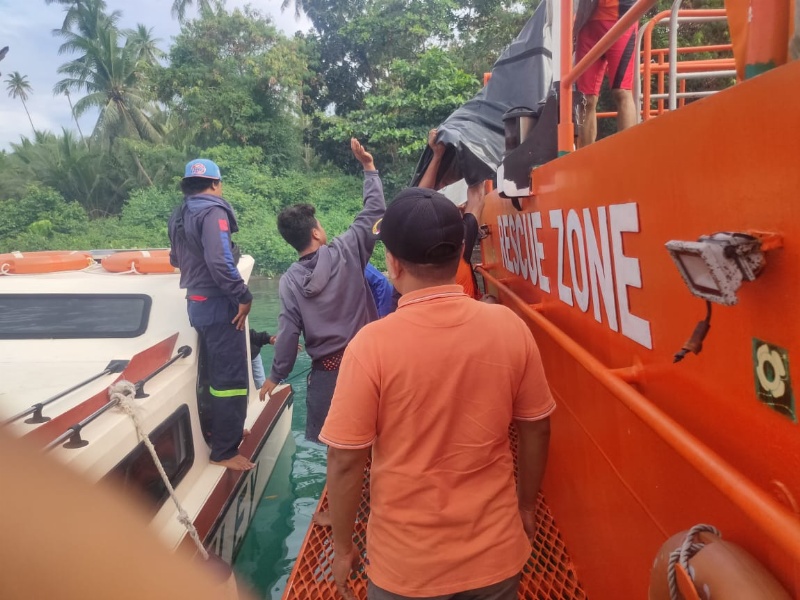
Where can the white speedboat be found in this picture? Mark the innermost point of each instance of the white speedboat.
(68, 336)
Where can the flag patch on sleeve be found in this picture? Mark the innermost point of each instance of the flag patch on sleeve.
(223, 225)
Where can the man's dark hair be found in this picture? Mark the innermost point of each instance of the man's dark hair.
(433, 273)
(295, 224)
(191, 186)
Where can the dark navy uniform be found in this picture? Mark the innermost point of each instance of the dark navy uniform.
(202, 249)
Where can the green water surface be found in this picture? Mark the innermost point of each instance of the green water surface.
(273, 541)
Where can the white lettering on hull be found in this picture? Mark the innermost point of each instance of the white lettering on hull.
(600, 272)
(601, 278)
(625, 218)
(575, 230)
(557, 222)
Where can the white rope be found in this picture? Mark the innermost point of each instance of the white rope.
(124, 392)
(682, 555)
(94, 271)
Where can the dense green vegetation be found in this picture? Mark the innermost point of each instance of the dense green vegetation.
(276, 112)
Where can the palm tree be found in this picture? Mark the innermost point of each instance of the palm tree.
(78, 172)
(19, 87)
(146, 45)
(76, 12)
(86, 20)
(179, 7)
(109, 72)
(3, 53)
(299, 7)
(74, 118)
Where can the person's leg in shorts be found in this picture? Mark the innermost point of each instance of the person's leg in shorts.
(318, 400)
(504, 590)
(590, 80)
(622, 64)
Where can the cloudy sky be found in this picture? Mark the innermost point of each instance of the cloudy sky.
(26, 26)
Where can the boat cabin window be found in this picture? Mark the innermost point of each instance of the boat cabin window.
(175, 448)
(73, 316)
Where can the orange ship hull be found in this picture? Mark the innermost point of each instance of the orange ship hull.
(641, 447)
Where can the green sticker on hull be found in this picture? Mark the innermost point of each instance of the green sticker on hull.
(772, 379)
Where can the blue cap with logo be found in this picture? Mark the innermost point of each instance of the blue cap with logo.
(202, 167)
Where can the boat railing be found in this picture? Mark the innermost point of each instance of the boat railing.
(115, 366)
(569, 74)
(762, 509)
(72, 436)
(662, 63)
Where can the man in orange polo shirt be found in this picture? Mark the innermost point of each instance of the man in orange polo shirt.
(433, 408)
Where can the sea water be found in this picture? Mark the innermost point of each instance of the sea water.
(283, 515)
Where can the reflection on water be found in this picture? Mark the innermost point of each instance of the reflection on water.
(284, 513)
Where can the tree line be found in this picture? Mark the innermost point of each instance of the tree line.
(274, 110)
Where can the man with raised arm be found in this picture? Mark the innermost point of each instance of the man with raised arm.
(324, 294)
(446, 520)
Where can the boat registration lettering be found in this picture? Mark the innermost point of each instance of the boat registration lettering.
(590, 249)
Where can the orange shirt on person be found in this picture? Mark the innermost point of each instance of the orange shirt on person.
(435, 405)
(465, 279)
(611, 10)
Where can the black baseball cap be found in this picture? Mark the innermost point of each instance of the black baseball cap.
(422, 226)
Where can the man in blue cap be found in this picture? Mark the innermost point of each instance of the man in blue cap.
(218, 303)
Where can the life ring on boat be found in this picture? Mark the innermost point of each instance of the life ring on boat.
(22, 263)
(717, 569)
(139, 261)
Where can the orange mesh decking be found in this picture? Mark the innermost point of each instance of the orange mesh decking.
(548, 575)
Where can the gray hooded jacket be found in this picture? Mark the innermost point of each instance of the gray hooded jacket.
(326, 296)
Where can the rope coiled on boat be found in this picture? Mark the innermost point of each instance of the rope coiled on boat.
(683, 554)
(124, 393)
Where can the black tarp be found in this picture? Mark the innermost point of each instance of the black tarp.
(473, 134)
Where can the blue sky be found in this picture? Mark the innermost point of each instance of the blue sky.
(26, 26)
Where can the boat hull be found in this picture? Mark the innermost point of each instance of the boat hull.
(681, 444)
(236, 496)
(163, 359)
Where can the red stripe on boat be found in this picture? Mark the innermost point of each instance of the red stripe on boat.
(214, 507)
(141, 364)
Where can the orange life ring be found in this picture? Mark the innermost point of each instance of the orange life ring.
(718, 570)
(19, 263)
(139, 261)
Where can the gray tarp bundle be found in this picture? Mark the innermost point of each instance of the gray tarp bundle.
(473, 134)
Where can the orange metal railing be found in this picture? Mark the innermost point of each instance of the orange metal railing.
(705, 68)
(566, 129)
(654, 62)
(763, 510)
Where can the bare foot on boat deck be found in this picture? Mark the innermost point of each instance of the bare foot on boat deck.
(322, 518)
(235, 463)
